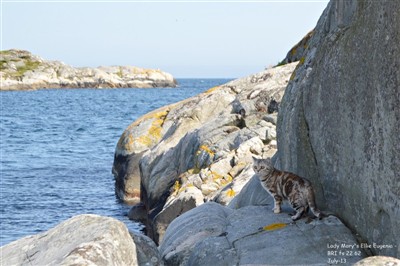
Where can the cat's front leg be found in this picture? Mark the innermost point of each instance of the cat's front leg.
(277, 204)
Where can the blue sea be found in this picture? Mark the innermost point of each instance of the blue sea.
(57, 150)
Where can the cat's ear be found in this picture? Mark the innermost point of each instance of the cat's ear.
(268, 160)
(255, 159)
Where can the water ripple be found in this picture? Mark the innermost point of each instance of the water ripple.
(57, 150)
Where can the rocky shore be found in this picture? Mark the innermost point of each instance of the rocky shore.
(331, 117)
(21, 70)
(180, 157)
(83, 240)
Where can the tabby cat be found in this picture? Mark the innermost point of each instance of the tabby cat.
(286, 186)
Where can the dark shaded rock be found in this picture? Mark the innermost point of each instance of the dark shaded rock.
(298, 51)
(273, 106)
(127, 177)
(138, 213)
(146, 251)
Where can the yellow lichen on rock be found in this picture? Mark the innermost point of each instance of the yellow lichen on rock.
(230, 192)
(154, 133)
(126, 143)
(293, 51)
(227, 179)
(212, 89)
(274, 226)
(176, 187)
(293, 75)
(193, 171)
(216, 176)
(206, 149)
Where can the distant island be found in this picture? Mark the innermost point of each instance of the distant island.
(21, 70)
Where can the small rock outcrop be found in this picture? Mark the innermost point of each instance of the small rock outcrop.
(82, 240)
(339, 122)
(216, 235)
(378, 261)
(298, 51)
(146, 251)
(21, 70)
(197, 150)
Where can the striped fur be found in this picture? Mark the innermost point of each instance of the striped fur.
(286, 186)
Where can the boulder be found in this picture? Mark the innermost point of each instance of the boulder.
(82, 240)
(212, 234)
(200, 147)
(20, 70)
(146, 251)
(339, 119)
(378, 261)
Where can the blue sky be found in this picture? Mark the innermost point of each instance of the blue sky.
(186, 39)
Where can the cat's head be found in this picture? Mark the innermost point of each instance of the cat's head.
(262, 166)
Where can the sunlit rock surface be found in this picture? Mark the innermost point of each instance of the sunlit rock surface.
(82, 240)
(21, 70)
(216, 235)
(179, 156)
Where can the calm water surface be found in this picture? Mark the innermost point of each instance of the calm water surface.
(57, 149)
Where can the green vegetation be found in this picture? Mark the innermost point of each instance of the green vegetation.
(23, 64)
(29, 65)
(3, 61)
(5, 52)
(119, 73)
(21, 59)
(3, 64)
(281, 63)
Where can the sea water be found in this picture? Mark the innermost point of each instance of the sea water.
(57, 150)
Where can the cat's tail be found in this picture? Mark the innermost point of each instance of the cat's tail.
(312, 205)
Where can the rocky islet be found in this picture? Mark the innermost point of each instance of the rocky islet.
(21, 70)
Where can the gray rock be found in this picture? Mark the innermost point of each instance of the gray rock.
(272, 118)
(82, 240)
(339, 120)
(138, 213)
(298, 52)
(175, 206)
(146, 250)
(378, 261)
(208, 220)
(215, 235)
(204, 142)
(252, 194)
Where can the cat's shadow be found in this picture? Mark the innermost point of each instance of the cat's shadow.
(287, 211)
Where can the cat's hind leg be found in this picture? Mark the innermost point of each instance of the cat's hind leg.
(300, 210)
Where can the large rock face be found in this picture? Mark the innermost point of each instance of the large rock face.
(216, 235)
(81, 240)
(20, 70)
(198, 150)
(339, 122)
